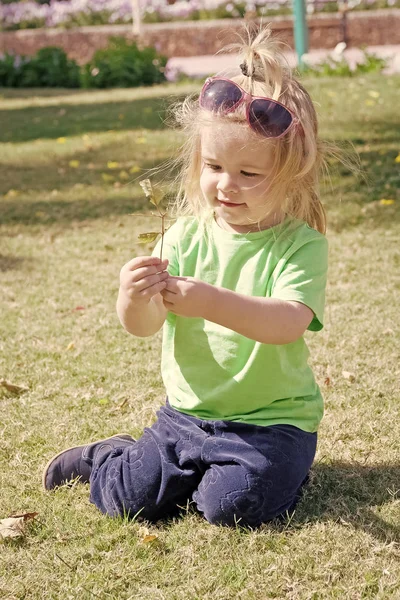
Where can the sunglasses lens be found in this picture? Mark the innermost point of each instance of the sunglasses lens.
(269, 118)
(220, 95)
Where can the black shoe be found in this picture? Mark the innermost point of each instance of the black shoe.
(77, 461)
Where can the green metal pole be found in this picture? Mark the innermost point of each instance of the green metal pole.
(300, 30)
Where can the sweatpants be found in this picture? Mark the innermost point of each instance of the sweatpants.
(234, 473)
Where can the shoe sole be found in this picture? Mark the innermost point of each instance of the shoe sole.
(53, 458)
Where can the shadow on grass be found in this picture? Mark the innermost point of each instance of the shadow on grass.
(10, 263)
(63, 120)
(63, 212)
(348, 493)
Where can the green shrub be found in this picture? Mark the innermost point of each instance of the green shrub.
(339, 67)
(123, 64)
(49, 67)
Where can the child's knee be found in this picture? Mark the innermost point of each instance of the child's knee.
(225, 504)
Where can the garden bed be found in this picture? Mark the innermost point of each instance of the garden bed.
(198, 38)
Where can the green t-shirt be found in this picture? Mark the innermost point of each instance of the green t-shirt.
(212, 372)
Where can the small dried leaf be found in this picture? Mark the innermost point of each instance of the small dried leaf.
(26, 516)
(71, 346)
(10, 387)
(148, 238)
(349, 376)
(149, 538)
(154, 195)
(12, 527)
(145, 536)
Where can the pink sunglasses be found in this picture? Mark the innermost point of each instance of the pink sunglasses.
(265, 116)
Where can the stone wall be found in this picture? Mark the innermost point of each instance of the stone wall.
(197, 38)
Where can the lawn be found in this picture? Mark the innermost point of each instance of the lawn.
(70, 163)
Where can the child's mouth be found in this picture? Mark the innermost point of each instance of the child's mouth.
(230, 204)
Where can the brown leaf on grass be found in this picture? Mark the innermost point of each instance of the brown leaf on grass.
(349, 376)
(146, 537)
(15, 526)
(327, 381)
(26, 516)
(14, 389)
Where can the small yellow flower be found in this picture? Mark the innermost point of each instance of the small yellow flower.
(386, 201)
(112, 165)
(61, 140)
(74, 164)
(141, 140)
(123, 175)
(397, 159)
(134, 169)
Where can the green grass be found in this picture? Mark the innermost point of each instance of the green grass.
(65, 233)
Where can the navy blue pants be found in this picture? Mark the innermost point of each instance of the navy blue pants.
(233, 472)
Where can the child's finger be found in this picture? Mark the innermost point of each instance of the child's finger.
(147, 261)
(145, 282)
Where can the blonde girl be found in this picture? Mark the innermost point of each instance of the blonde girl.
(243, 279)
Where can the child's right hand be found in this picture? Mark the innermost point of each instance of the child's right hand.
(143, 277)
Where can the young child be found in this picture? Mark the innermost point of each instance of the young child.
(243, 279)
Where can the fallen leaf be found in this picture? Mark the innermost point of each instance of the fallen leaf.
(79, 308)
(349, 376)
(134, 169)
(145, 536)
(15, 526)
(141, 140)
(61, 140)
(123, 175)
(12, 527)
(397, 159)
(12, 193)
(327, 381)
(71, 346)
(14, 389)
(112, 165)
(26, 516)
(107, 178)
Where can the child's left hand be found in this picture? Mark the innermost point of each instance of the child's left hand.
(186, 296)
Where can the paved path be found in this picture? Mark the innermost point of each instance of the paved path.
(201, 66)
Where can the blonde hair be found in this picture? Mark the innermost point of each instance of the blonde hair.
(299, 156)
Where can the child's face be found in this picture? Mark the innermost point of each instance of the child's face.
(235, 176)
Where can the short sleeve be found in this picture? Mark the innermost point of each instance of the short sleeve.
(169, 248)
(301, 277)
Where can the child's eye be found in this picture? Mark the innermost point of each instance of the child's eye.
(247, 174)
(212, 167)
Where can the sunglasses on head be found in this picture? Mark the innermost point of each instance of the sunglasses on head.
(265, 116)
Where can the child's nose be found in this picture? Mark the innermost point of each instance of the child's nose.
(227, 183)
